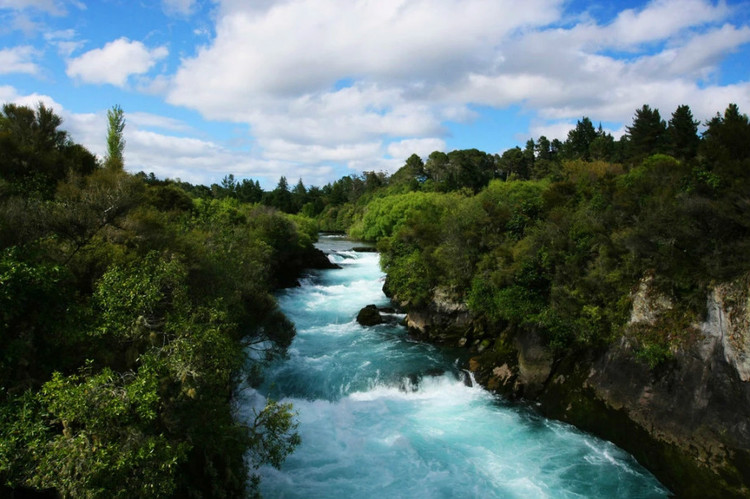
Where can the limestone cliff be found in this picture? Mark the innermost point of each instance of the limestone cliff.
(687, 419)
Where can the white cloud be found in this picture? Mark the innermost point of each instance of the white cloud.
(276, 67)
(305, 46)
(402, 149)
(661, 19)
(53, 7)
(178, 7)
(115, 62)
(334, 80)
(10, 94)
(50, 6)
(64, 40)
(18, 60)
(150, 120)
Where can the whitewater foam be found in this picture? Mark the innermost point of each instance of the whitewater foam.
(384, 416)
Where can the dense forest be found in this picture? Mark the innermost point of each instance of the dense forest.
(133, 307)
(556, 236)
(130, 313)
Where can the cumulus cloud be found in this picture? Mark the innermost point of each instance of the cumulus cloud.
(402, 149)
(18, 60)
(336, 80)
(323, 85)
(115, 62)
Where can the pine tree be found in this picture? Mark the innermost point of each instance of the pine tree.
(647, 134)
(579, 140)
(682, 134)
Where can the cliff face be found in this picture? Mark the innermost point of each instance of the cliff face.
(687, 420)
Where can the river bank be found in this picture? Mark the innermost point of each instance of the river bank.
(688, 420)
(382, 415)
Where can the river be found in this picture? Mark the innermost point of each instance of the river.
(382, 416)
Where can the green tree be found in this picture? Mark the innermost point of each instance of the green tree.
(726, 136)
(648, 133)
(115, 140)
(543, 148)
(682, 134)
(281, 198)
(35, 154)
(578, 143)
(513, 164)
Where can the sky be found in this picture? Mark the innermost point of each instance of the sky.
(319, 89)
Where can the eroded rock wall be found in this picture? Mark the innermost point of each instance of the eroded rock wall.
(687, 420)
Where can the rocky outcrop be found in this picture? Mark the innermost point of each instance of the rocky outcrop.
(444, 320)
(369, 316)
(687, 419)
(312, 258)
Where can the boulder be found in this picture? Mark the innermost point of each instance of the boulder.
(319, 260)
(369, 316)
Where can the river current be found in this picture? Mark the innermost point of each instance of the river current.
(382, 416)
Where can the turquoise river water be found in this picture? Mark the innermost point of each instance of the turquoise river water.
(383, 416)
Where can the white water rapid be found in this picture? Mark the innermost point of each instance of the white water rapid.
(382, 416)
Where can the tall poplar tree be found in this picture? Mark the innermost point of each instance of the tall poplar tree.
(115, 140)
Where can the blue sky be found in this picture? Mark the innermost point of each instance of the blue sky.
(317, 89)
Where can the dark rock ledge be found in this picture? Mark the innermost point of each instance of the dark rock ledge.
(687, 421)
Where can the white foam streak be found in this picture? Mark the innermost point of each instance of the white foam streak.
(377, 421)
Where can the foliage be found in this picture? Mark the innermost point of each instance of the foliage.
(561, 255)
(115, 140)
(130, 309)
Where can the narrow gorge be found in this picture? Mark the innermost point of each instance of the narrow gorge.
(384, 415)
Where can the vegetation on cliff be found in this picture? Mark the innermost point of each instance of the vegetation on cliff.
(128, 311)
(554, 238)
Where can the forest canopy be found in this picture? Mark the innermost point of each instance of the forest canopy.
(129, 311)
(132, 308)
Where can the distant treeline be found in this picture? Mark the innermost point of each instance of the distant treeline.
(556, 237)
(473, 169)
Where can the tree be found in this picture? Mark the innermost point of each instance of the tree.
(682, 134)
(415, 166)
(34, 154)
(603, 146)
(115, 140)
(647, 134)
(543, 148)
(229, 184)
(281, 198)
(249, 191)
(729, 134)
(579, 140)
(512, 164)
(529, 153)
